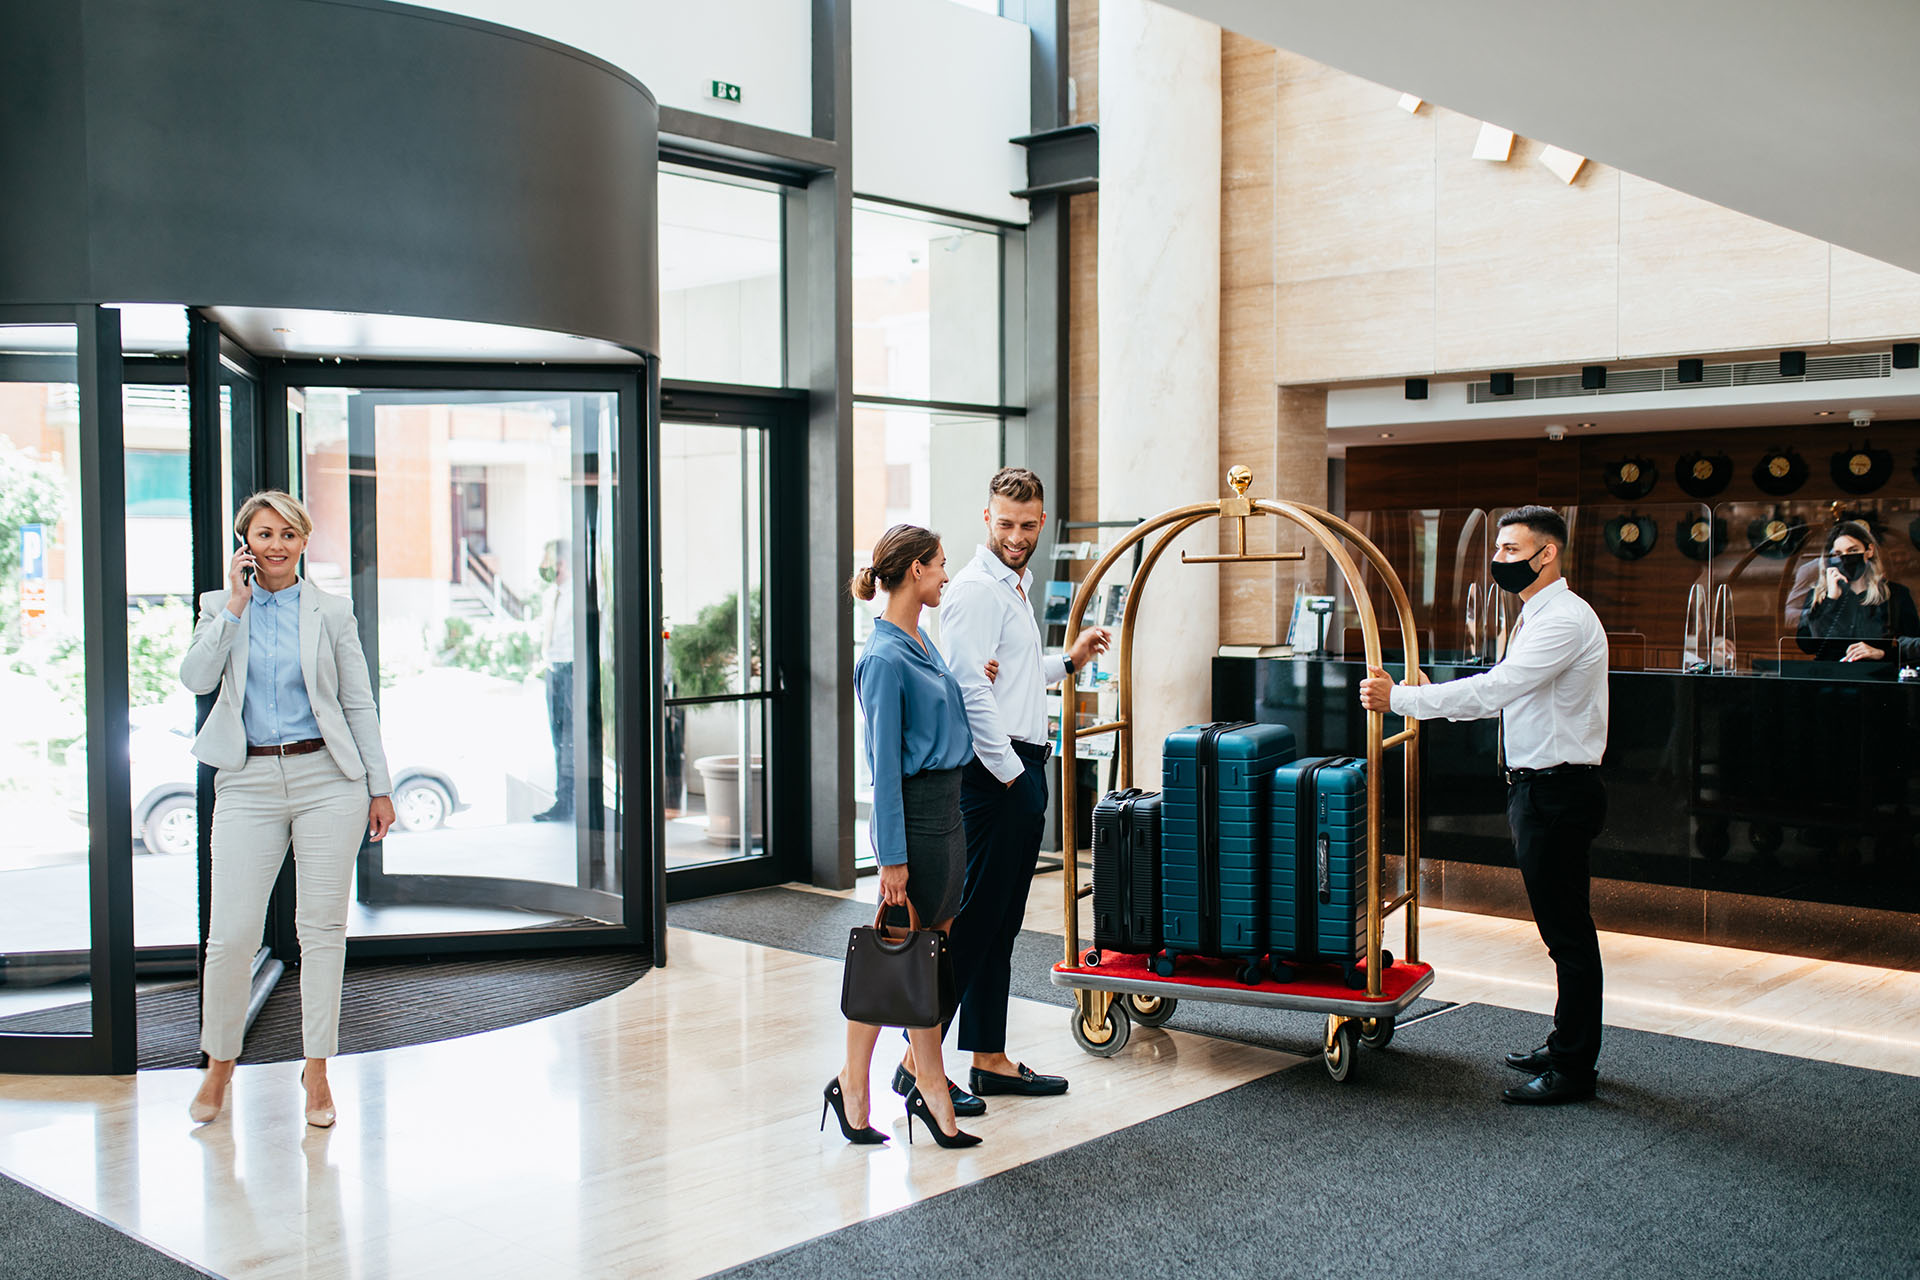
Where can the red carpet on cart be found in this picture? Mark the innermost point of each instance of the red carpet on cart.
(1318, 980)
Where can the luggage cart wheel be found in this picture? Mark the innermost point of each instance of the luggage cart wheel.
(1376, 1033)
(1110, 1037)
(1152, 1011)
(1341, 1049)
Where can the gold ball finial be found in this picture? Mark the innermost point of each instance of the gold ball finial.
(1240, 479)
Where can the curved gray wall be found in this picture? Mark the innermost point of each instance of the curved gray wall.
(342, 155)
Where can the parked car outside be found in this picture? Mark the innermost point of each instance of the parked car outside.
(427, 789)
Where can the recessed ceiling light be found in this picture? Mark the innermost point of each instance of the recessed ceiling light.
(1823, 413)
(1583, 424)
(278, 330)
(1386, 435)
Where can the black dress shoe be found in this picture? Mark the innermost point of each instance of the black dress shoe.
(555, 814)
(1533, 1061)
(965, 1105)
(1027, 1084)
(1550, 1088)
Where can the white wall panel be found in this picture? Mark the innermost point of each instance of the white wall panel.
(938, 89)
(678, 49)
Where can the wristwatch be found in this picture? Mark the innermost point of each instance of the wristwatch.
(1068, 659)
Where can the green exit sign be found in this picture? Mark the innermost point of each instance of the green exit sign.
(726, 92)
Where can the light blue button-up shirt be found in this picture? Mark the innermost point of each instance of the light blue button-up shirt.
(276, 709)
(916, 720)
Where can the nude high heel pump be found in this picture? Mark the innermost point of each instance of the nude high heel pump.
(207, 1112)
(318, 1117)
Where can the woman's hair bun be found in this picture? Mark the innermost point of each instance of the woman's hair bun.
(862, 583)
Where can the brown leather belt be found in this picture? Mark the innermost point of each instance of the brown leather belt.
(304, 747)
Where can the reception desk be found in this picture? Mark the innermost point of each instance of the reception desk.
(1772, 812)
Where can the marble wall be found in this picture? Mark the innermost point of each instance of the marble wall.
(1159, 335)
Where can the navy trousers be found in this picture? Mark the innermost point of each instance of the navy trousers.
(1003, 824)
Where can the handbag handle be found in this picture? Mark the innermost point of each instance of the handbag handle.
(880, 929)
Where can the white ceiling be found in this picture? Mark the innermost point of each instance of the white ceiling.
(1797, 113)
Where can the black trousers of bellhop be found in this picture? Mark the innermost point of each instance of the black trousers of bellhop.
(1554, 821)
(1003, 824)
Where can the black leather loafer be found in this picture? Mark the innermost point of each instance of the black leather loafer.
(1533, 1062)
(1027, 1084)
(964, 1103)
(1550, 1088)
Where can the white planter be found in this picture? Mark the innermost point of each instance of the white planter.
(721, 778)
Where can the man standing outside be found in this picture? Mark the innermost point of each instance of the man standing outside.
(987, 616)
(1550, 692)
(558, 651)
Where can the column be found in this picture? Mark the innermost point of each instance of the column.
(1159, 301)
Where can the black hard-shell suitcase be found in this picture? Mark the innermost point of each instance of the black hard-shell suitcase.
(1126, 872)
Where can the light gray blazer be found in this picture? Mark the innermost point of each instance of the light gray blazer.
(335, 668)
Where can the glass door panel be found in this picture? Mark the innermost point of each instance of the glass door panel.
(45, 924)
(160, 617)
(474, 536)
(713, 505)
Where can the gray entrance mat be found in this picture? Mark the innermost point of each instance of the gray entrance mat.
(1696, 1159)
(816, 924)
(382, 1006)
(42, 1238)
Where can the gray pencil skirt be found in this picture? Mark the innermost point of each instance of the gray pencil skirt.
(936, 844)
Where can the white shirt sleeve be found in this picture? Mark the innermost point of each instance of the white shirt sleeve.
(970, 634)
(1545, 648)
(1053, 668)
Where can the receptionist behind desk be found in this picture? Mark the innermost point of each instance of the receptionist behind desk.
(1856, 613)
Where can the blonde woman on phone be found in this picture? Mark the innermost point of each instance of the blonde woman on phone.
(296, 739)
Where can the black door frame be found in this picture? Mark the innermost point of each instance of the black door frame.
(782, 414)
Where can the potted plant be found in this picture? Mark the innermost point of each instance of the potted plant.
(703, 662)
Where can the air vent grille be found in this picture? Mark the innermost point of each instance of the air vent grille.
(1746, 373)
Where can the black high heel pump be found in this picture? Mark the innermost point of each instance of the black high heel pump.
(917, 1106)
(865, 1136)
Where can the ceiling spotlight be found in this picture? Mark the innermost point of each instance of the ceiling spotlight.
(1562, 164)
(1386, 435)
(1823, 413)
(1494, 143)
(1583, 424)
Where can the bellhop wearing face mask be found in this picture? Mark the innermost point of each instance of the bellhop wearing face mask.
(1550, 692)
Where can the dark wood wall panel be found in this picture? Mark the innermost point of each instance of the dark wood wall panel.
(1643, 602)
(1505, 473)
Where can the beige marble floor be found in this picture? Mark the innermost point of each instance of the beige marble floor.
(672, 1129)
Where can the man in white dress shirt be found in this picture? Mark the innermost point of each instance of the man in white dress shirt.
(1550, 691)
(987, 616)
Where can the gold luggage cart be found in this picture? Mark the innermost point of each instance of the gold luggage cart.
(1114, 991)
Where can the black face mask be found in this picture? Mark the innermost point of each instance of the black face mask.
(1851, 564)
(1516, 575)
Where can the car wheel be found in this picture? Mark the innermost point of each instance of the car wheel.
(421, 804)
(172, 826)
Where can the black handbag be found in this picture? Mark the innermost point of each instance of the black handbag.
(904, 982)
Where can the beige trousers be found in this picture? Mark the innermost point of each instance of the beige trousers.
(257, 811)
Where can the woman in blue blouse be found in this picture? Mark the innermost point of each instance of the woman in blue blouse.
(917, 741)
